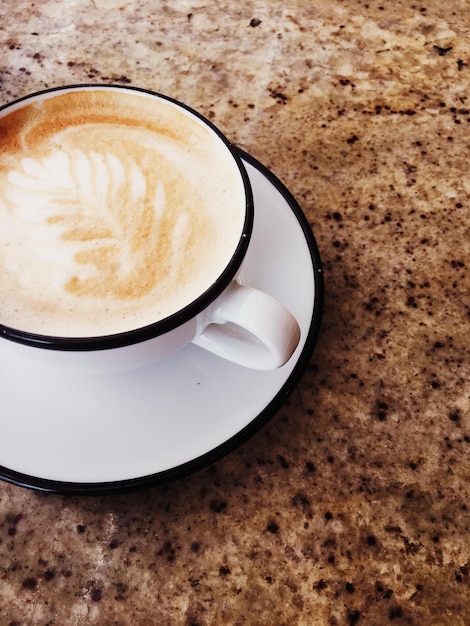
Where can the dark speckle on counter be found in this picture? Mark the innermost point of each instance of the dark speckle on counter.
(350, 506)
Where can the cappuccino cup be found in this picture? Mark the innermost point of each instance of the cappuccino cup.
(124, 219)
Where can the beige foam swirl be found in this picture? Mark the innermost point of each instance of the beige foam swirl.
(85, 198)
(110, 224)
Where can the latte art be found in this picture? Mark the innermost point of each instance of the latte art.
(84, 199)
(116, 210)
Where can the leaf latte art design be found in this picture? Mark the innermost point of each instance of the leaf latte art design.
(109, 223)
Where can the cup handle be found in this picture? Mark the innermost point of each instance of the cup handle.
(250, 328)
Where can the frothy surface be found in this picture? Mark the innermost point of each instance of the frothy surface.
(116, 210)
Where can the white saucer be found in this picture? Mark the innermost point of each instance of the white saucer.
(80, 433)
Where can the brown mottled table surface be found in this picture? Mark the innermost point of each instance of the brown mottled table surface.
(351, 506)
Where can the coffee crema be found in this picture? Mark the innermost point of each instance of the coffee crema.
(117, 209)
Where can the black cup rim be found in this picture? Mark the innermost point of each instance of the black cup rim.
(173, 321)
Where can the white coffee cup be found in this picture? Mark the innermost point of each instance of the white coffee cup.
(125, 217)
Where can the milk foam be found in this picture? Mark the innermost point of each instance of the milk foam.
(116, 210)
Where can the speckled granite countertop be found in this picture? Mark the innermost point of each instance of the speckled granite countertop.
(351, 505)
